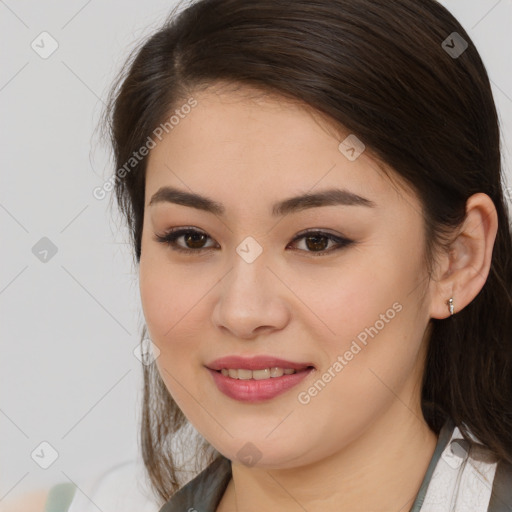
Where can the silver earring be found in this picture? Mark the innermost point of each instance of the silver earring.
(450, 305)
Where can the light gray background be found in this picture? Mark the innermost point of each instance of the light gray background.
(69, 326)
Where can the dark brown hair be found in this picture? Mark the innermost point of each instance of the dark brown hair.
(381, 70)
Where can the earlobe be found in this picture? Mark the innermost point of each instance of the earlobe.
(469, 260)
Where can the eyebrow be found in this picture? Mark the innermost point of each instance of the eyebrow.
(328, 197)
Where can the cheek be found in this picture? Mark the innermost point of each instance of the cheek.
(171, 305)
(174, 300)
(372, 321)
(167, 292)
(157, 297)
(367, 363)
(343, 301)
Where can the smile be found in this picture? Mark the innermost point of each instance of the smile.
(257, 385)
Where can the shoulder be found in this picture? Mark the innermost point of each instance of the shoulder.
(501, 493)
(205, 490)
(469, 473)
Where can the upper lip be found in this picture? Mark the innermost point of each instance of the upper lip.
(255, 363)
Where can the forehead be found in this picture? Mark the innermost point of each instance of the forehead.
(249, 141)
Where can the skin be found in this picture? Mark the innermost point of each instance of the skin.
(31, 502)
(361, 443)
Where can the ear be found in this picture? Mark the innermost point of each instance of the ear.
(462, 272)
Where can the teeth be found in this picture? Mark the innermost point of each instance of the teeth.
(266, 373)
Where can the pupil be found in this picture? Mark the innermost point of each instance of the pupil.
(316, 243)
(195, 237)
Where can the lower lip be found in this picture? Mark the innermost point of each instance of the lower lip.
(251, 390)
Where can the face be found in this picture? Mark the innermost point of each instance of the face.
(336, 284)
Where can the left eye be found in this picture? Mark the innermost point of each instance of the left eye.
(315, 240)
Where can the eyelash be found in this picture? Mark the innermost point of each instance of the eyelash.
(169, 238)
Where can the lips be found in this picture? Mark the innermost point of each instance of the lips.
(256, 363)
(255, 390)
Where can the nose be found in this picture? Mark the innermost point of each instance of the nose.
(251, 300)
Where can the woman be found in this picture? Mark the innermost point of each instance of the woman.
(315, 201)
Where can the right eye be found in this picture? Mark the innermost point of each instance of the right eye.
(191, 236)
